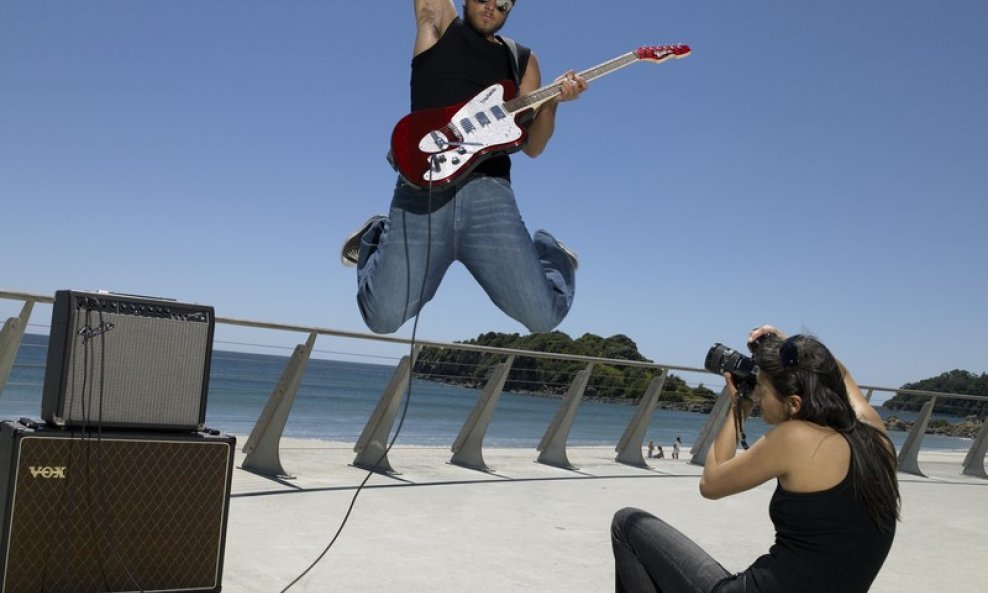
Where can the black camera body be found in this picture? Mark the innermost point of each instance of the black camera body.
(744, 372)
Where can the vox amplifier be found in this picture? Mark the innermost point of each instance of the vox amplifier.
(126, 361)
(85, 512)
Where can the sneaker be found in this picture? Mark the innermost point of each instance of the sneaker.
(570, 254)
(351, 246)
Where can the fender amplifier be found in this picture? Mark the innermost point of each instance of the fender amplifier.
(117, 511)
(127, 361)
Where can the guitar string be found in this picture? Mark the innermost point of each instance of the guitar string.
(547, 92)
(657, 53)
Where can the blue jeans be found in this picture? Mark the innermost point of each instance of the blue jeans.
(651, 556)
(403, 260)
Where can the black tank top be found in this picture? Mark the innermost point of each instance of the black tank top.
(460, 65)
(824, 542)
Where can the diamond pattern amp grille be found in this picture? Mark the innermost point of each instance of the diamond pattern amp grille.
(114, 515)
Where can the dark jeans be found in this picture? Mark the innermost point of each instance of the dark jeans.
(651, 556)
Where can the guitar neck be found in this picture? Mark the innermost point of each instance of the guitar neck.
(540, 96)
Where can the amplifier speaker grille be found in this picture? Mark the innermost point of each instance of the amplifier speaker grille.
(117, 515)
(126, 362)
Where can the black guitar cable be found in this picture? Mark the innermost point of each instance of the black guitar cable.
(91, 457)
(73, 486)
(69, 502)
(408, 390)
(108, 531)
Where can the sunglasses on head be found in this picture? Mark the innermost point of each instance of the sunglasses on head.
(502, 5)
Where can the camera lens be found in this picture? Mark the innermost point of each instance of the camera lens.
(721, 359)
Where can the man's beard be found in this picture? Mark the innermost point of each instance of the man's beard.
(476, 26)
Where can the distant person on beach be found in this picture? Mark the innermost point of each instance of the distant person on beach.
(402, 258)
(675, 448)
(661, 454)
(651, 449)
(836, 499)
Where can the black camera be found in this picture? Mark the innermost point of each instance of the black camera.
(744, 371)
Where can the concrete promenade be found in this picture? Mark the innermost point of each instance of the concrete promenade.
(442, 528)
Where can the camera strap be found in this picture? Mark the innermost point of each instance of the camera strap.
(739, 426)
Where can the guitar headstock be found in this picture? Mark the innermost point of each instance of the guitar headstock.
(661, 53)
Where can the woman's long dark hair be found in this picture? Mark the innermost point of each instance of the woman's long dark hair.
(802, 365)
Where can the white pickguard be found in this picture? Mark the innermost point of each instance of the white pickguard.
(481, 123)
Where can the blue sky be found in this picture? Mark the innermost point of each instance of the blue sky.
(820, 166)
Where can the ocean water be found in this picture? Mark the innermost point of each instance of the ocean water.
(336, 398)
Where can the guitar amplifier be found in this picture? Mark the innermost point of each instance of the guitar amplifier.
(127, 361)
(85, 512)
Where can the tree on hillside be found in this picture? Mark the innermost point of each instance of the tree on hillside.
(554, 375)
(955, 381)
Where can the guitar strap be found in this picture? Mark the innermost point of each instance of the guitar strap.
(519, 57)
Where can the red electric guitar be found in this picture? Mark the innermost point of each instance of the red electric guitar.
(439, 146)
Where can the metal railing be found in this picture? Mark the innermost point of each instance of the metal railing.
(262, 447)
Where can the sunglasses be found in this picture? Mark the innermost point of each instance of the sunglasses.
(504, 6)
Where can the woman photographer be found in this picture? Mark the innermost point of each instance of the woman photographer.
(836, 500)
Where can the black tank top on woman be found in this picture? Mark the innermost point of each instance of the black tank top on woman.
(825, 542)
(460, 65)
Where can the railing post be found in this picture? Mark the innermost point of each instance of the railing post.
(468, 449)
(868, 395)
(10, 340)
(372, 446)
(974, 462)
(629, 448)
(553, 444)
(708, 434)
(262, 447)
(909, 455)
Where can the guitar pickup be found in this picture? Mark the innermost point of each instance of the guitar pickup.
(439, 140)
(498, 113)
(482, 119)
(467, 125)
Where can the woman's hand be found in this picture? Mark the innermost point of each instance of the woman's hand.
(745, 403)
(763, 330)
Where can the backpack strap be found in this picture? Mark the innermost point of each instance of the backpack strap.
(519, 57)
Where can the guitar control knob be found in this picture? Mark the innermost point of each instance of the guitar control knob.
(461, 150)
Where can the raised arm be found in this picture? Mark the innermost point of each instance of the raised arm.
(862, 408)
(432, 18)
(725, 472)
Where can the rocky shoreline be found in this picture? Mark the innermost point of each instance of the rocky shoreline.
(969, 428)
